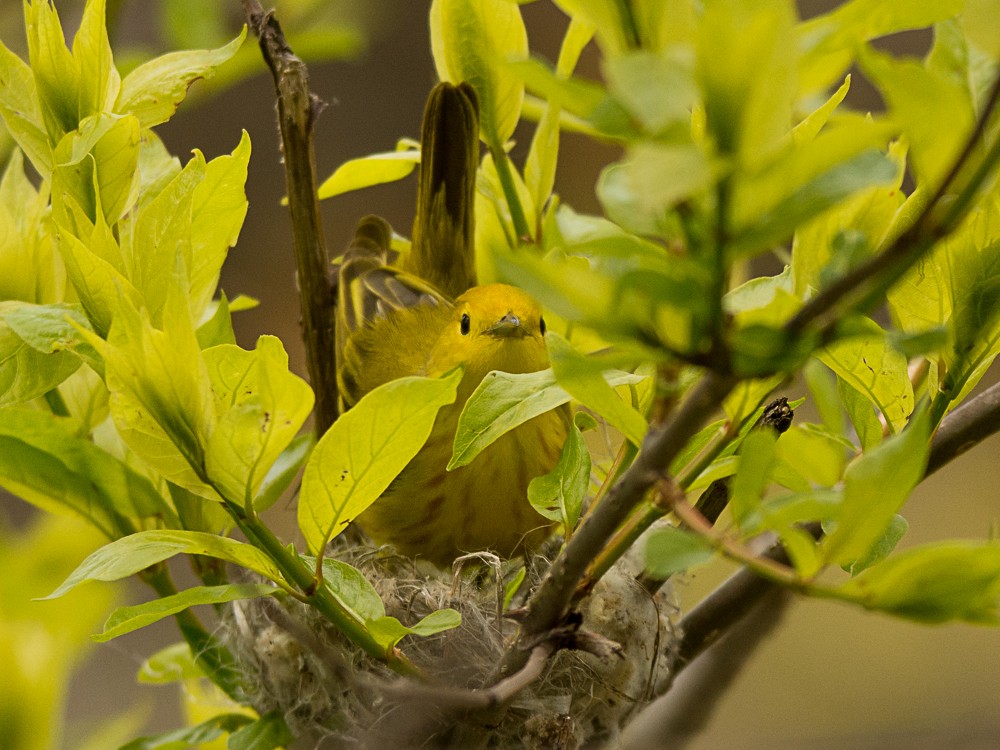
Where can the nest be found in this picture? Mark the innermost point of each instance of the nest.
(334, 696)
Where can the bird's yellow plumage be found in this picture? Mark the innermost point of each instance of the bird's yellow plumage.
(430, 512)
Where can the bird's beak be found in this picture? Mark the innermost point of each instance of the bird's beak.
(507, 327)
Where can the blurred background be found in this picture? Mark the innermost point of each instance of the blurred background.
(827, 676)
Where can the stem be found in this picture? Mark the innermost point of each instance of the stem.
(502, 163)
(297, 112)
(938, 407)
(215, 660)
(298, 573)
(966, 426)
(557, 590)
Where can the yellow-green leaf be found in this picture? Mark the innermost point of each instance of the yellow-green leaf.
(473, 41)
(364, 450)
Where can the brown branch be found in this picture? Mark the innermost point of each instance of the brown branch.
(966, 426)
(552, 599)
(297, 112)
(963, 428)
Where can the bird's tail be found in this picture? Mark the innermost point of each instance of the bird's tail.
(443, 254)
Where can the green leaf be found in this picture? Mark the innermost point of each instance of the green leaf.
(284, 470)
(45, 328)
(957, 580)
(830, 41)
(389, 631)
(540, 164)
(975, 292)
(102, 156)
(816, 453)
(883, 547)
(862, 415)
(376, 169)
(602, 15)
(153, 91)
(55, 71)
(162, 234)
(99, 80)
(559, 494)
(869, 364)
(672, 550)
(357, 595)
(502, 401)
(29, 270)
(657, 89)
(657, 177)
(130, 554)
(823, 387)
(25, 372)
(756, 460)
(21, 110)
(169, 664)
(980, 24)
(260, 406)
(161, 399)
(769, 207)
(934, 111)
(585, 382)
(95, 266)
(364, 450)
(195, 736)
(218, 329)
(513, 586)
(787, 511)
(474, 40)
(876, 486)
(806, 130)
(126, 619)
(576, 96)
(352, 589)
(43, 462)
(833, 242)
(745, 65)
(267, 733)
(218, 208)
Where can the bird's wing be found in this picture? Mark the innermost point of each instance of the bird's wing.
(379, 311)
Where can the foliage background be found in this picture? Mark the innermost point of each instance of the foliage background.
(829, 676)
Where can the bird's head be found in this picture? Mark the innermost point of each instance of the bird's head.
(494, 327)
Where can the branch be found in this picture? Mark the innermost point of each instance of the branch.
(963, 428)
(297, 112)
(554, 595)
(966, 426)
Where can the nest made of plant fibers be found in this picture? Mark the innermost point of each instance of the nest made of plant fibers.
(332, 695)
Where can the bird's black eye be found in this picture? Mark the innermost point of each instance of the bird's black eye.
(541, 325)
(466, 324)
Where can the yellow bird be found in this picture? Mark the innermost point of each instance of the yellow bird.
(424, 319)
(395, 325)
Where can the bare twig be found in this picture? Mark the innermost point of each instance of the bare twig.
(426, 715)
(966, 426)
(297, 112)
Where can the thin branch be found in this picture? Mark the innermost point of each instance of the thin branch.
(297, 112)
(966, 426)
(554, 595)
(963, 428)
